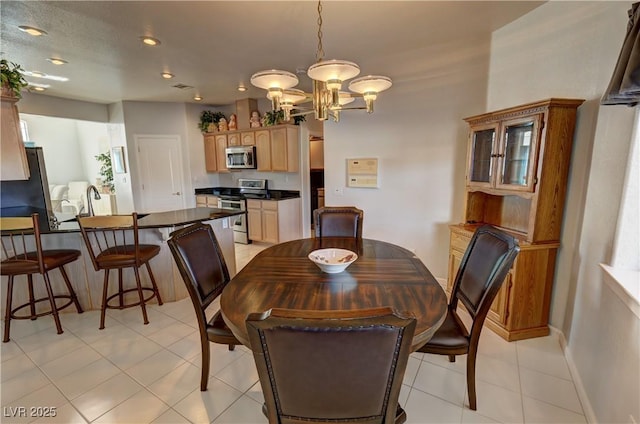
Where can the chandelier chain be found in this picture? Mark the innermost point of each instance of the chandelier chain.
(320, 53)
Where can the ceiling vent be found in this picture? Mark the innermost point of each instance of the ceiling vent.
(182, 86)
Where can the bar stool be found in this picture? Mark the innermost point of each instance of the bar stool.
(112, 243)
(23, 255)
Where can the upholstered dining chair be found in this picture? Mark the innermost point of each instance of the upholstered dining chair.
(22, 254)
(331, 366)
(338, 221)
(204, 271)
(483, 269)
(113, 243)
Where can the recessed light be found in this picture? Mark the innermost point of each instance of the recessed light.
(45, 76)
(38, 88)
(197, 98)
(167, 75)
(36, 32)
(241, 87)
(150, 41)
(57, 61)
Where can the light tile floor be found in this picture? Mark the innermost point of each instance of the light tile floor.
(132, 373)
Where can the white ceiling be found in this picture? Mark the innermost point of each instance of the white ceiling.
(215, 45)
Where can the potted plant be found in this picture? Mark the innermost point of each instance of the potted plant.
(277, 117)
(12, 79)
(106, 172)
(209, 120)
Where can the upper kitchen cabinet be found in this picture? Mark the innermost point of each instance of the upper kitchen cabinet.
(210, 154)
(517, 167)
(14, 165)
(277, 148)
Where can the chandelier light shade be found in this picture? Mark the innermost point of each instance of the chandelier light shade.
(328, 77)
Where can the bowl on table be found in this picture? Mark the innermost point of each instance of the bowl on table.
(332, 260)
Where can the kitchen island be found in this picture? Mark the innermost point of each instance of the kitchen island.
(154, 228)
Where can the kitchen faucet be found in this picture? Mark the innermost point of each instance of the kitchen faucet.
(96, 196)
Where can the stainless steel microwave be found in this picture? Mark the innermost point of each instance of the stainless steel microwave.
(241, 157)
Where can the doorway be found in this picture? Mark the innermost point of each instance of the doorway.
(316, 174)
(161, 176)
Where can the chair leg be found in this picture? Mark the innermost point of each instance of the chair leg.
(206, 359)
(232, 347)
(121, 289)
(7, 312)
(72, 292)
(32, 298)
(142, 304)
(153, 283)
(471, 379)
(52, 300)
(105, 289)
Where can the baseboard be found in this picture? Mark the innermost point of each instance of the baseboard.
(589, 415)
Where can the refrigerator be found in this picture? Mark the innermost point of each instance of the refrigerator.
(25, 197)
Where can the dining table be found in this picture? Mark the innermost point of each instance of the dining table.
(384, 274)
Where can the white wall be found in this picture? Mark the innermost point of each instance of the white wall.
(569, 49)
(69, 146)
(418, 135)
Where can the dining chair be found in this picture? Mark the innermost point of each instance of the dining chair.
(338, 221)
(113, 243)
(483, 269)
(331, 366)
(199, 258)
(22, 254)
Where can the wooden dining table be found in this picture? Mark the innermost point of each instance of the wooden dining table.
(282, 276)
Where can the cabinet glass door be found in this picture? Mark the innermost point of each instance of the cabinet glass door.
(519, 142)
(480, 155)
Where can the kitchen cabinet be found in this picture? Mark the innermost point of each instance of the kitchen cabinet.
(517, 167)
(13, 157)
(221, 156)
(206, 201)
(274, 221)
(248, 138)
(277, 148)
(210, 153)
(233, 139)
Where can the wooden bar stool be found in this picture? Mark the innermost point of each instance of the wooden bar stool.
(112, 243)
(23, 255)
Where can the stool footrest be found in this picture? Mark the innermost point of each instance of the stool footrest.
(14, 311)
(129, 305)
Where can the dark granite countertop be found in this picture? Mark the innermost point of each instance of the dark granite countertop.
(234, 191)
(184, 216)
(152, 220)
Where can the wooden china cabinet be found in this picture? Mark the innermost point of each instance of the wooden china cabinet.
(516, 177)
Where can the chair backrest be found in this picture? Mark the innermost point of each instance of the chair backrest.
(331, 366)
(338, 221)
(21, 235)
(117, 234)
(482, 271)
(200, 261)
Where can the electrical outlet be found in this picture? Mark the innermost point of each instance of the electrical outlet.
(338, 191)
(225, 223)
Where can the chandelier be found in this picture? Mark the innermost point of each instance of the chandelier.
(327, 76)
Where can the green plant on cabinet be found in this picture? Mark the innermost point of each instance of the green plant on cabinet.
(12, 78)
(208, 117)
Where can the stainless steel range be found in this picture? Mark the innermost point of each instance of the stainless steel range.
(248, 189)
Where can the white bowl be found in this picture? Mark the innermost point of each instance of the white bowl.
(333, 261)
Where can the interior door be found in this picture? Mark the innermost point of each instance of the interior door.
(161, 177)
